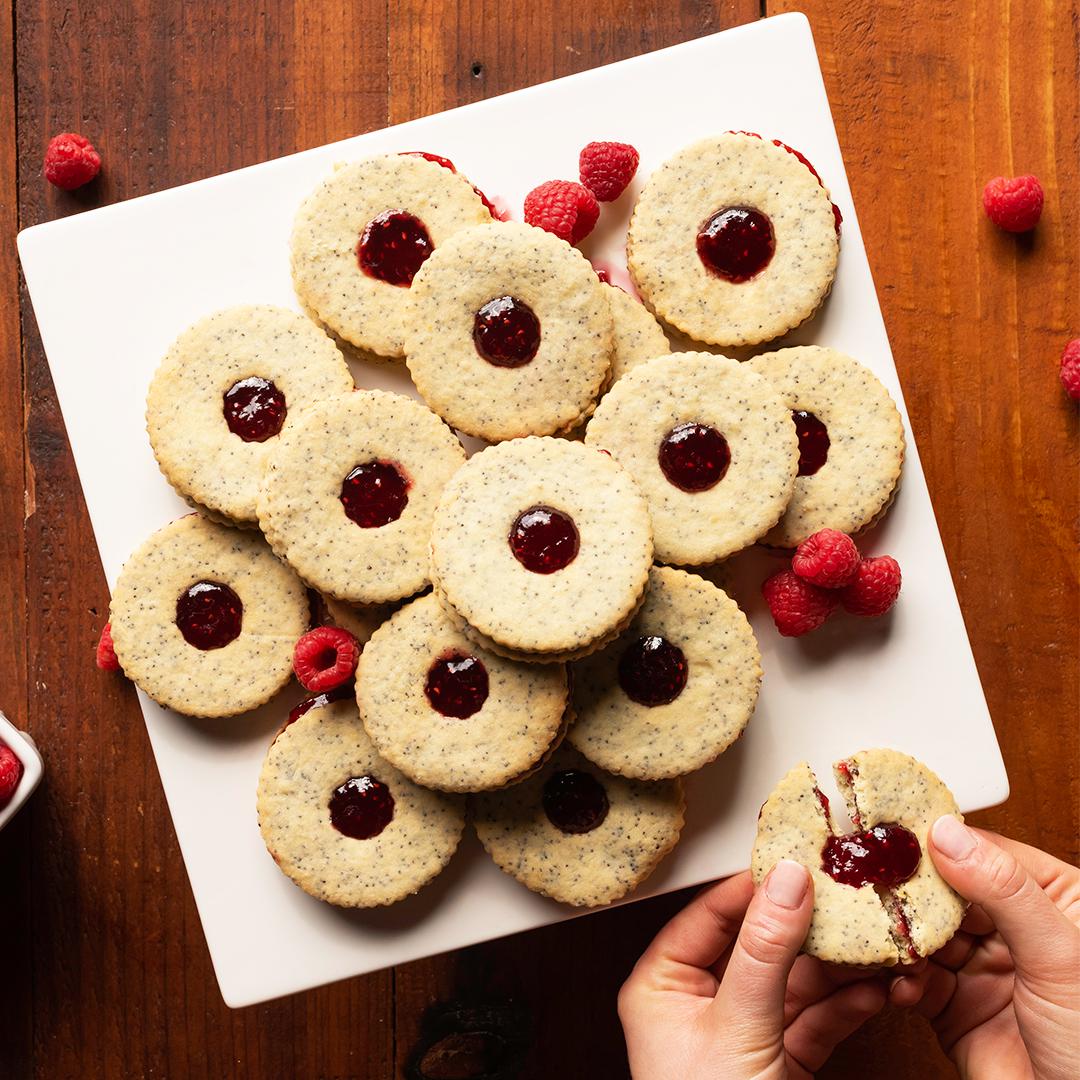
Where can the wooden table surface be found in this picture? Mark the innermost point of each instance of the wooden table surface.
(106, 973)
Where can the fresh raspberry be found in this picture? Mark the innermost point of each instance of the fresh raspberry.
(1070, 369)
(606, 168)
(875, 587)
(829, 558)
(797, 606)
(325, 657)
(1013, 204)
(70, 161)
(11, 770)
(106, 654)
(564, 208)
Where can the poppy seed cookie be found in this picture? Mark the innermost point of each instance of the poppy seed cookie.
(342, 822)
(711, 445)
(510, 334)
(577, 834)
(638, 336)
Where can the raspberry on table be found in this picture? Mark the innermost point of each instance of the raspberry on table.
(1013, 203)
(1070, 369)
(797, 607)
(606, 168)
(564, 208)
(875, 587)
(71, 161)
(829, 558)
(325, 658)
(11, 770)
(106, 654)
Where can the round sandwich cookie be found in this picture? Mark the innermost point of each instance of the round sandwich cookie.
(361, 620)
(451, 715)
(341, 821)
(226, 389)
(851, 441)
(349, 491)
(541, 547)
(204, 618)
(511, 332)
(733, 241)
(878, 898)
(638, 336)
(711, 445)
(363, 233)
(675, 689)
(578, 834)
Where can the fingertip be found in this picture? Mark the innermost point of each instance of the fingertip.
(951, 838)
(905, 991)
(788, 884)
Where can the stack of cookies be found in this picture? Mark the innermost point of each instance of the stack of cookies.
(536, 654)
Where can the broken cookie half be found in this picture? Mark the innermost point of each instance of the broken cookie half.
(878, 899)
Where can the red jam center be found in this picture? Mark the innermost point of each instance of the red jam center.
(813, 441)
(885, 855)
(375, 494)
(694, 457)
(361, 808)
(254, 409)
(506, 332)
(209, 615)
(457, 685)
(652, 671)
(736, 243)
(394, 245)
(544, 540)
(575, 801)
(317, 701)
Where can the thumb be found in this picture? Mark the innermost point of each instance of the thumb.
(751, 995)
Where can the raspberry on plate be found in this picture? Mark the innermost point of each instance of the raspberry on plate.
(1070, 369)
(1013, 203)
(564, 208)
(106, 654)
(325, 658)
(71, 161)
(11, 770)
(797, 607)
(875, 587)
(829, 558)
(606, 168)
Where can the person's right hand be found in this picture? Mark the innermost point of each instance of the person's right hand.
(1004, 994)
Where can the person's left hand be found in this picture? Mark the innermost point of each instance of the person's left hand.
(722, 991)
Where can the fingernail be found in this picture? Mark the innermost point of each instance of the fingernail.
(786, 885)
(953, 838)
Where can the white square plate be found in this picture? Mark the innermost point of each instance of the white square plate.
(113, 287)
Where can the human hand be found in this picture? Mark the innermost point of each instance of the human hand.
(1004, 994)
(712, 998)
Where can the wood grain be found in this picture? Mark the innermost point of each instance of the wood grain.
(930, 101)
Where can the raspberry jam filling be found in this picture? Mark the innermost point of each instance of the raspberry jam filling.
(884, 856)
(317, 701)
(457, 685)
(393, 246)
(694, 457)
(254, 409)
(813, 441)
(575, 801)
(544, 540)
(652, 671)
(506, 332)
(375, 493)
(361, 808)
(736, 243)
(209, 615)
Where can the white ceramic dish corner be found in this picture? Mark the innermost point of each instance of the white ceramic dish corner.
(33, 767)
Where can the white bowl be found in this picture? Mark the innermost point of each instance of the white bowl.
(33, 768)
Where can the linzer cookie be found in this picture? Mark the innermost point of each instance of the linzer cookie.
(577, 834)
(341, 821)
(851, 441)
(451, 715)
(204, 618)
(542, 548)
(349, 492)
(361, 620)
(878, 898)
(733, 241)
(510, 333)
(638, 336)
(711, 445)
(362, 234)
(675, 689)
(226, 389)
